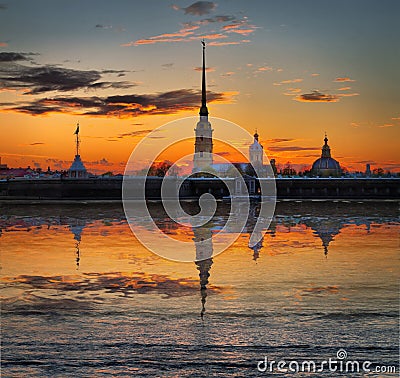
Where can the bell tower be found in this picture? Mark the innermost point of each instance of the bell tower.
(203, 132)
(256, 152)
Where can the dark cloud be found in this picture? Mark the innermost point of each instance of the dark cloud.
(14, 56)
(71, 61)
(36, 109)
(316, 96)
(136, 133)
(41, 79)
(166, 66)
(102, 162)
(119, 72)
(36, 143)
(200, 69)
(366, 162)
(200, 8)
(193, 25)
(292, 148)
(3, 7)
(279, 140)
(389, 166)
(114, 85)
(122, 106)
(101, 26)
(220, 18)
(210, 20)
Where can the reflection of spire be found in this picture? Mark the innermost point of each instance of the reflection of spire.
(77, 230)
(204, 250)
(325, 250)
(78, 255)
(204, 273)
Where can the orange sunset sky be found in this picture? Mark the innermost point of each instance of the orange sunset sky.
(290, 69)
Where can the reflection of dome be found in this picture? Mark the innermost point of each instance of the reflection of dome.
(326, 229)
(326, 166)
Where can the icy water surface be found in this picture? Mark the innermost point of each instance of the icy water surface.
(82, 298)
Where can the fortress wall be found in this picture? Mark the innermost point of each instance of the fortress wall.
(287, 188)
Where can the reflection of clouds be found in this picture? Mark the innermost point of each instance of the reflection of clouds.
(317, 291)
(113, 283)
(29, 304)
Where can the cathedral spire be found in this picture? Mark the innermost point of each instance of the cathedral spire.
(203, 109)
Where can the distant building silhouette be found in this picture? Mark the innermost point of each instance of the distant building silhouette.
(368, 170)
(2, 166)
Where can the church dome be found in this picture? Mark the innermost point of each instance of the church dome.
(326, 166)
(325, 163)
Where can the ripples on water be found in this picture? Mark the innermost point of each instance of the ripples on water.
(82, 297)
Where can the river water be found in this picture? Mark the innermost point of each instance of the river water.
(81, 297)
